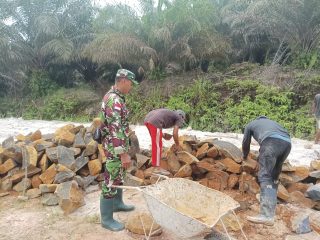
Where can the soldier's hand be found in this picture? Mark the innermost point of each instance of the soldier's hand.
(125, 160)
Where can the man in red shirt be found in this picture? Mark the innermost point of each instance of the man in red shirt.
(158, 119)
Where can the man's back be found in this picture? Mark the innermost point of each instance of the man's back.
(262, 128)
(164, 118)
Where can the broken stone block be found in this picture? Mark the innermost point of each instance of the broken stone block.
(48, 176)
(141, 160)
(139, 173)
(313, 192)
(186, 157)
(19, 175)
(131, 180)
(135, 225)
(52, 154)
(35, 136)
(249, 166)
(63, 176)
(217, 180)
(7, 143)
(134, 147)
(248, 183)
(43, 163)
(283, 194)
(212, 152)
(101, 154)
(70, 196)
(299, 174)
(65, 157)
(300, 223)
(33, 193)
(228, 150)
(36, 181)
(287, 167)
(231, 165)
(232, 181)
(91, 148)
(25, 184)
(6, 184)
(173, 162)
(79, 141)
(298, 198)
(315, 174)
(315, 165)
(202, 151)
(49, 199)
(80, 162)
(95, 167)
(302, 187)
(30, 156)
(48, 188)
(7, 166)
(184, 171)
(42, 145)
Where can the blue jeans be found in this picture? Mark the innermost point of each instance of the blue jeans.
(272, 154)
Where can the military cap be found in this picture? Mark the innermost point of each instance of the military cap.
(124, 73)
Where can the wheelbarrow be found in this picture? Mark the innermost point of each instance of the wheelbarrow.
(185, 207)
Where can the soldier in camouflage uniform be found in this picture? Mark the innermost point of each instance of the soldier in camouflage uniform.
(115, 143)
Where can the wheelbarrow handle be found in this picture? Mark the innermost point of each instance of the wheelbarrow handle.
(127, 187)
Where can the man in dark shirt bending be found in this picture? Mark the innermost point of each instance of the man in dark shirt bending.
(275, 146)
(158, 119)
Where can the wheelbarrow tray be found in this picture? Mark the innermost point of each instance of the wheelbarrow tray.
(185, 207)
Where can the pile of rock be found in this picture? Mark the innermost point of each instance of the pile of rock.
(219, 165)
(58, 167)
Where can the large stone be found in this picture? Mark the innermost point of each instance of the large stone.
(7, 166)
(248, 183)
(186, 157)
(299, 174)
(63, 176)
(35, 136)
(300, 223)
(232, 181)
(184, 171)
(70, 196)
(283, 193)
(41, 145)
(7, 143)
(141, 160)
(229, 150)
(30, 156)
(202, 151)
(52, 154)
(315, 174)
(49, 199)
(23, 185)
(313, 192)
(134, 144)
(33, 193)
(315, 165)
(79, 140)
(48, 188)
(65, 157)
(302, 187)
(138, 222)
(43, 163)
(36, 181)
(101, 154)
(206, 166)
(6, 184)
(20, 174)
(173, 162)
(212, 152)
(81, 161)
(48, 176)
(249, 166)
(139, 173)
(287, 167)
(217, 180)
(231, 165)
(131, 180)
(298, 198)
(91, 148)
(95, 167)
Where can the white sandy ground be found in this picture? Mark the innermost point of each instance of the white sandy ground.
(302, 152)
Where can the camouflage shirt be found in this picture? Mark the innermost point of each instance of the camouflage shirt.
(115, 131)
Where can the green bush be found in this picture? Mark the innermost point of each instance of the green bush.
(39, 84)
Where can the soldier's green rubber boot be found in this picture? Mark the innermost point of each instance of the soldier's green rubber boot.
(119, 205)
(106, 211)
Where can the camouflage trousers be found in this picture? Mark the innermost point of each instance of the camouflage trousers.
(114, 175)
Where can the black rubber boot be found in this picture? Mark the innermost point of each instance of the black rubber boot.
(119, 205)
(268, 202)
(106, 211)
